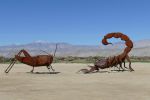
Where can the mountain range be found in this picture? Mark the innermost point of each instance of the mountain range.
(141, 48)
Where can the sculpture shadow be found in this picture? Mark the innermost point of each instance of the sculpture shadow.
(97, 72)
(120, 70)
(112, 71)
(101, 72)
(44, 72)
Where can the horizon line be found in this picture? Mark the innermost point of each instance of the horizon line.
(42, 41)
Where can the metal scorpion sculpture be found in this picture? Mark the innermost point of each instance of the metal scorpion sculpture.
(116, 60)
(35, 61)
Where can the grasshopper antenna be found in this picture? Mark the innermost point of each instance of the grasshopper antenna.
(44, 52)
(55, 50)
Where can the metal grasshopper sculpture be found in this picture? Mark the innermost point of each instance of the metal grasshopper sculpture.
(35, 61)
(116, 60)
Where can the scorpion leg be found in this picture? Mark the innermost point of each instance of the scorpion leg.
(97, 69)
(121, 67)
(128, 59)
(116, 66)
(125, 64)
(109, 69)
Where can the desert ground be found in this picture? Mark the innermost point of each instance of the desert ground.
(66, 84)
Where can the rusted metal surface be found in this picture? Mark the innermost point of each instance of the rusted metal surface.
(116, 60)
(35, 61)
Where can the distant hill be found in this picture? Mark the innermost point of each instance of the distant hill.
(141, 48)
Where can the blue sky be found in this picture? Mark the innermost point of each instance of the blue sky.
(72, 21)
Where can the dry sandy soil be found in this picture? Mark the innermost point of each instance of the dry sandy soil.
(68, 85)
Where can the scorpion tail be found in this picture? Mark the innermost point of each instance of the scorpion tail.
(128, 42)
